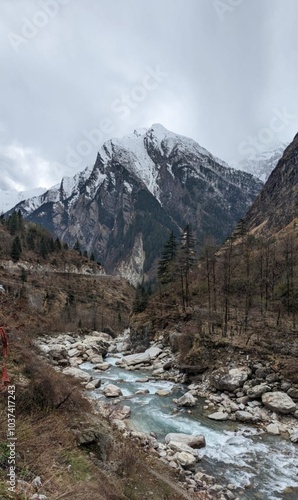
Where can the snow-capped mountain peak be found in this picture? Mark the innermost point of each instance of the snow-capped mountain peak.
(141, 186)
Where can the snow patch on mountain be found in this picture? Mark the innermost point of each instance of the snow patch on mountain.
(10, 198)
(261, 164)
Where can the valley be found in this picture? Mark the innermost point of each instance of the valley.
(203, 341)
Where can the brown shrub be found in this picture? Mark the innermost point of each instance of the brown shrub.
(47, 390)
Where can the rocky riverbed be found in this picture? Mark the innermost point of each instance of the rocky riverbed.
(253, 393)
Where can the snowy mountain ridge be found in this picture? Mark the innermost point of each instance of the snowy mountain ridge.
(261, 164)
(141, 187)
(10, 198)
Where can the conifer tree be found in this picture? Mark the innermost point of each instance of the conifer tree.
(165, 271)
(187, 260)
(16, 249)
(77, 247)
(57, 244)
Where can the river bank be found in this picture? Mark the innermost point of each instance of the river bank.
(158, 365)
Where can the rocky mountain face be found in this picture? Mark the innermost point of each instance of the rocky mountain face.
(261, 164)
(139, 189)
(277, 204)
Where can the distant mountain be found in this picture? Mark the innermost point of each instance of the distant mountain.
(10, 198)
(261, 164)
(277, 204)
(140, 188)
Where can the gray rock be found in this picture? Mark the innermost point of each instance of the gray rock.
(272, 377)
(112, 391)
(186, 460)
(262, 372)
(136, 359)
(153, 352)
(197, 441)
(73, 352)
(257, 391)
(120, 413)
(163, 392)
(285, 386)
(294, 437)
(96, 359)
(178, 446)
(77, 373)
(243, 400)
(279, 402)
(243, 416)
(229, 380)
(293, 392)
(273, 429)
(102, 367)
(219, 415)
(187, 400)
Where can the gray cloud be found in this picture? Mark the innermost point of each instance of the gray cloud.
(215, 70)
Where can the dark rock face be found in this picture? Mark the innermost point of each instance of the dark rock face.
(140, 188)
(277, 204)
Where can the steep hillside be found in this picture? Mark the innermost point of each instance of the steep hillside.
(241, 297)
(48, 287)
(277, 204)
(139, 189)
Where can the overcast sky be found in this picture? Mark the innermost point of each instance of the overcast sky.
(75, 73)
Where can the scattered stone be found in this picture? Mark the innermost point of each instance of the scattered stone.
(163, 392)
(196, 441)
(243, 416)
(273, 429)
(285, 386)
(272, 377)
(78, 373)
(96, 359)
(187, 400)
(257, 391)
(179, 447)
(294, 437)
(219, 415)
(112, 391)
(279, 402)
(73, 352)
(229, 380)
(102, 367)
(187, 460)
(293, 392)
(36, 483)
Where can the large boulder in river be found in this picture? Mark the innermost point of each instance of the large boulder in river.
(143, 357)
(279, 402)
(112, 391)
(197, 441)
(186, 400)
(229, 380)
(136, 359)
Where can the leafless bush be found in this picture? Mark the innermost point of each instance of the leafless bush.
(48, 390)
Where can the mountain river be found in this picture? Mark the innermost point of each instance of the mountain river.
(265, 466)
